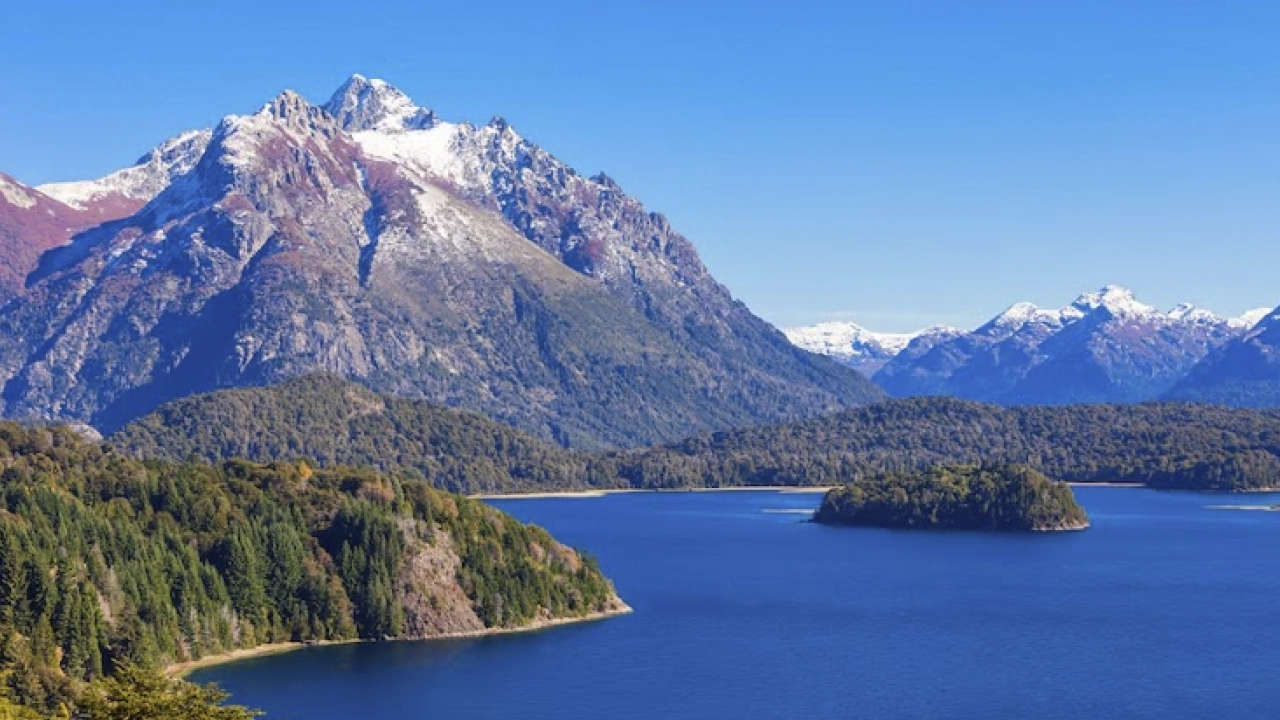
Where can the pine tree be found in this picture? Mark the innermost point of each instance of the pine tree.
(133, 693)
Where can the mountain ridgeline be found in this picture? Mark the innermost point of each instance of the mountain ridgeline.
(107, 560)
(1002, 498)
(1106, 347)
(333, 421)
(368, 238)
(1244, 372)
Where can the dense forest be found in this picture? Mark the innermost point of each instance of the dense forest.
(334, 422)
(107, 561)
(1170, 445)
(960, 497)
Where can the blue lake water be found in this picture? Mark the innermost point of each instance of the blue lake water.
(1165, 609)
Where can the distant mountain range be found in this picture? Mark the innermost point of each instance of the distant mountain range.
(1244, 372)
(864, 350)
(369, 238)
(1106, 346)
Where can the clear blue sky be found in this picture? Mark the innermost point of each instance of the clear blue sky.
(894, 163)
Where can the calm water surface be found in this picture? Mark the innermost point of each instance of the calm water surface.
(1164, 609)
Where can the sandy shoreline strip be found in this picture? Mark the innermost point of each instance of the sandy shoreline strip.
(783, 489)
(567, 494)
(182, 669)
(574, 494)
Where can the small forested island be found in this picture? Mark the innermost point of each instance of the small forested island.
(1007, 498)
(112, 568)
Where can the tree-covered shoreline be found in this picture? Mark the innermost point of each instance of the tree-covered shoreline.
(106, 560)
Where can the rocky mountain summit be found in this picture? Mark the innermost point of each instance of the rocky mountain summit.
(368, 238)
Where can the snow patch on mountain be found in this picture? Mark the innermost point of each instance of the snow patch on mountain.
(16, 194)
(1119, 301)
(589, 223)
(1186, 312)
(428, 153)
(1020, 315)
(1251, 319)
(456, 229)
(461, 155)
(143, 181)
(389, 126)
(1269, 321)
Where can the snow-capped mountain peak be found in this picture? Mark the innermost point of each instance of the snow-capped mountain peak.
(1020, 315)
(364, 104)
(865, 350)
(290, 246)
(1114, 300)
(1118, 300)
(843, 338)
(1186, 312)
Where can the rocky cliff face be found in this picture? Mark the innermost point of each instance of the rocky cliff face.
(476, 272)
(435, 604)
